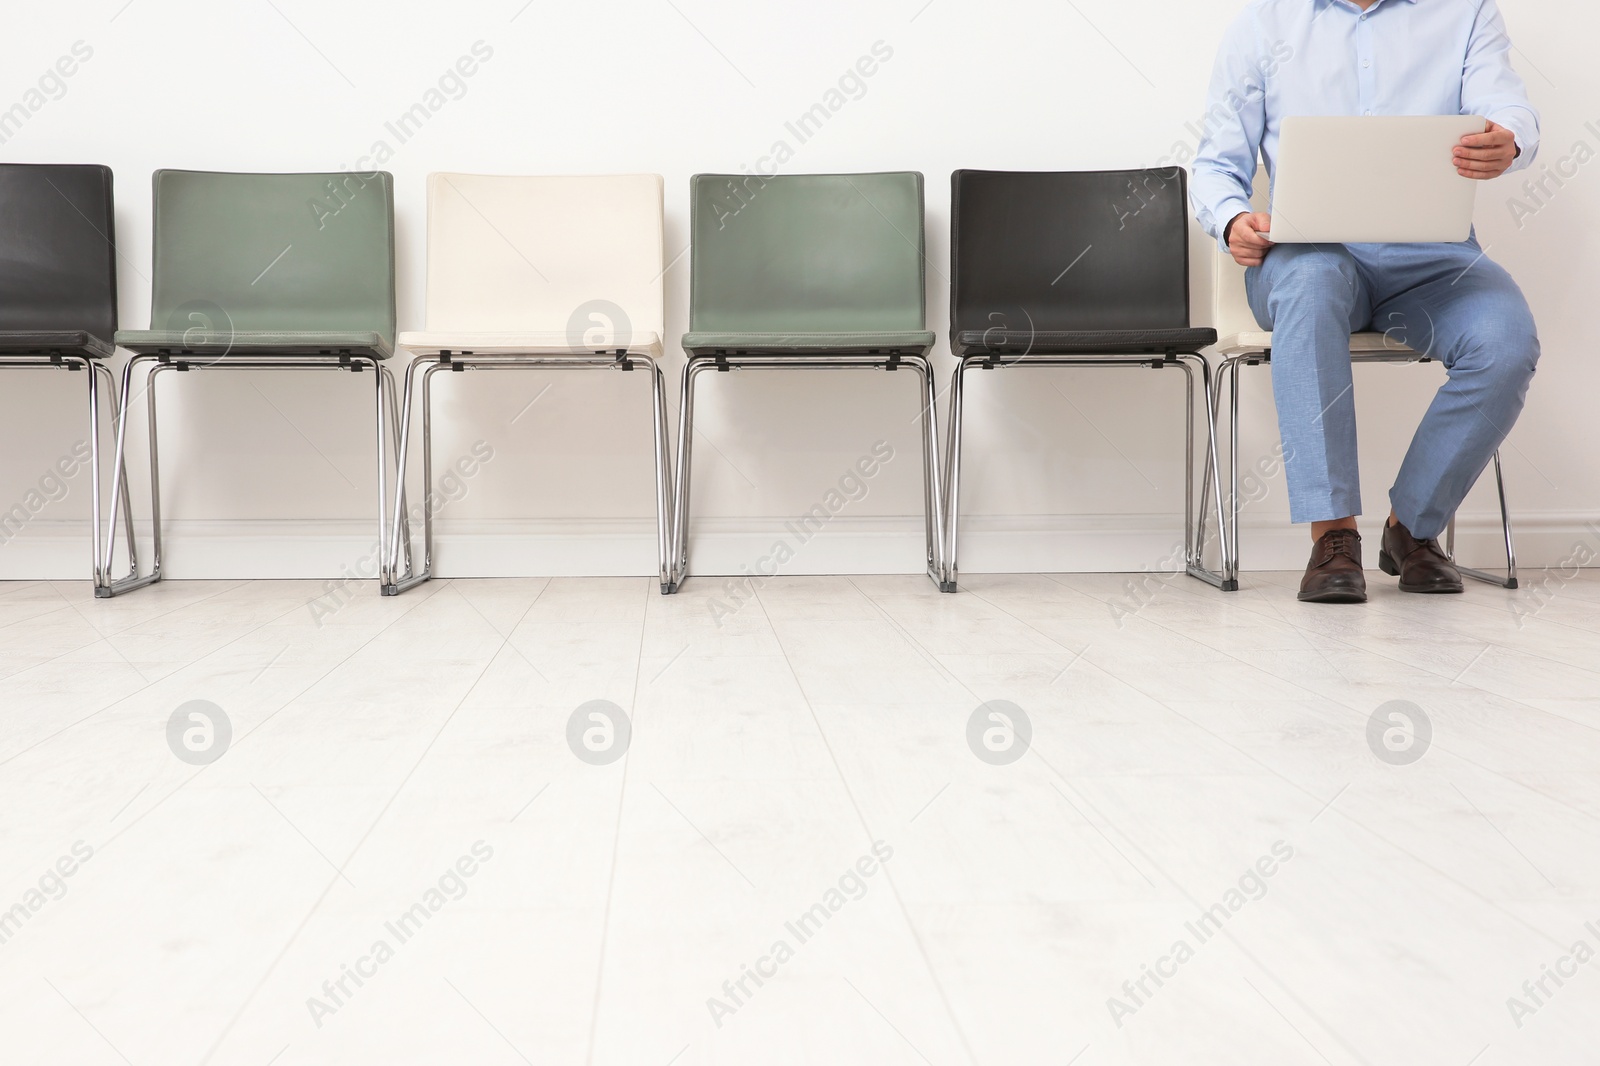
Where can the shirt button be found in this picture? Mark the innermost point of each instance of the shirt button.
(1367, 112)
(1366, 63)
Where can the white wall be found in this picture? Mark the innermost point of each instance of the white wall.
(271, 475)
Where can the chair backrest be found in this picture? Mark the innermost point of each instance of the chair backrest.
(295, 252)
(525, 254)
(58, 260)
(807, 253)
(1230, 308)
(1079, 250)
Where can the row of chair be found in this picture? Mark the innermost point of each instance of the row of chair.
(296, 272)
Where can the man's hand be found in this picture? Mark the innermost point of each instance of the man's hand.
(1486, 155)
(1246, 238)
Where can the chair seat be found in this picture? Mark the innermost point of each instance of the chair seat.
(1360, 344)
(1081, 342)
(423, 342)
(51, 342)
(253, 342)
(910, 342)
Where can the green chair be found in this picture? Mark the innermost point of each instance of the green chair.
(266, 272)
(807, 272)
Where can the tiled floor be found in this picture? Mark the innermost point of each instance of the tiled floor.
(400, 857)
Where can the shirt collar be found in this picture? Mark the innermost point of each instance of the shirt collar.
(1374, 7)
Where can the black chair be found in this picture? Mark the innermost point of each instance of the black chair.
(1072, 270)
(58, 296)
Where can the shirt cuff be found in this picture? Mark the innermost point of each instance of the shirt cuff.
(1525, 133)
(1225, 213)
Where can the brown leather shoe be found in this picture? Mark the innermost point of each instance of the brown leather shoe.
(1334, 574)
(1421, 565)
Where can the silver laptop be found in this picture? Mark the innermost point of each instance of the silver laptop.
(1343, 180)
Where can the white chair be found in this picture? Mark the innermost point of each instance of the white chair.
(1242, 342)
(539, 272)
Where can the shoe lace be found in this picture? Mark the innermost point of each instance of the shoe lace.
(1341, 542)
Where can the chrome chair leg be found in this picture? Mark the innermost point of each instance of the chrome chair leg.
(932, 503)
(383, 465)
(402, 454)
(1193, 532)
(119, 488)
(663, 459)
(401, 538)
(387, 419)
(100, 571)
(1232, 452)
(1233, 476)
(1212, 465)
(126, 500)
(420, 370)
(1508, 580)
(952, 473)
(428, 508)
(680, 504)
(1505, 524)
(1211, 485)
(1188, 466)
(1227, 506)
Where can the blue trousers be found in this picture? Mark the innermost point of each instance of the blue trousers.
(1445, 300)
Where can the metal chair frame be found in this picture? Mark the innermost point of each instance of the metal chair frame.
(1194, 535)
(424, 368)
(157, 363)
(95, 368)
(1228, 370)
(891, 360)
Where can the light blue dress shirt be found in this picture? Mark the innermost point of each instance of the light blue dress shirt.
(1328, 57)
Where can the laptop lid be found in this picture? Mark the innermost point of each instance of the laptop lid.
(1385, 179)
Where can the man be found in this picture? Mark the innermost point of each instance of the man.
(1373, 57)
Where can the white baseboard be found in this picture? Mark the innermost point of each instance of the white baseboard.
(50, 549)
